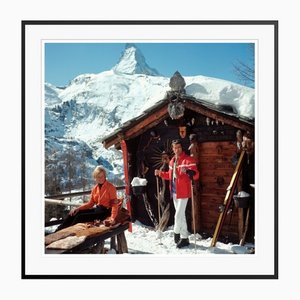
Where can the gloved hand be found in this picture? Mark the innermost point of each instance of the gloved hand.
(190, 173)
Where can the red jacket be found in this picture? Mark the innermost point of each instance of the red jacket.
(182, 181)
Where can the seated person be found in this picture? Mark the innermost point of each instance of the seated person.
(103, 203)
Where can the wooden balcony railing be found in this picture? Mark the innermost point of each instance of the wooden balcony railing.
(65, 200)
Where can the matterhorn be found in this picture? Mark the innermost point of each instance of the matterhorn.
(132, 62)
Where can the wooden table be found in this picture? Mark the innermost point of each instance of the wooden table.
(95, 244)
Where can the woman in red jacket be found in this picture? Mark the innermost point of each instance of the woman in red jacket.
(103, 203)
(182, 169)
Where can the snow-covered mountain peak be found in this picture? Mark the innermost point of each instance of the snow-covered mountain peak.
(132, 61)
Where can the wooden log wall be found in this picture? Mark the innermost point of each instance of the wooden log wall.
(216, 169)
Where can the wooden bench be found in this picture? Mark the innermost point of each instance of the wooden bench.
(95, 244)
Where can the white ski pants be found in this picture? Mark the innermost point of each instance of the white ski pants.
(180, 225)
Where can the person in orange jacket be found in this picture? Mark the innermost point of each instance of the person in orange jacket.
(182, 169)
(103, 203)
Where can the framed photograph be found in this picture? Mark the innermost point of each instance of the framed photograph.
(123, 90)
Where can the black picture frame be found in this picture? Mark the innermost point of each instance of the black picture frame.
(28, 25)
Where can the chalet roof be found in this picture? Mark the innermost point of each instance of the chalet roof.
(159, 111)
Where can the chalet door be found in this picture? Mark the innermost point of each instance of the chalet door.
(216, 166)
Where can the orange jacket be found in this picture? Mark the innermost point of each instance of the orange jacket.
(106, 196)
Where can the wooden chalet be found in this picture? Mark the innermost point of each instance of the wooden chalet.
(146, 145)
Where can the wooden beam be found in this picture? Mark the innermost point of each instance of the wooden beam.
(140, 127)
(126, 174)
(61, 202)
(122, 243)
(149, 122)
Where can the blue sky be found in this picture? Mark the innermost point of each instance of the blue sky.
(64, 61)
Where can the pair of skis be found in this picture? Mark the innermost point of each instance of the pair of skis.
(228, 199)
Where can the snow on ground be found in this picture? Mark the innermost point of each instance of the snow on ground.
(145, 240)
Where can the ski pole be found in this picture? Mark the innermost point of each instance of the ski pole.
(193, 212)
(158, 204)
(158, 198)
